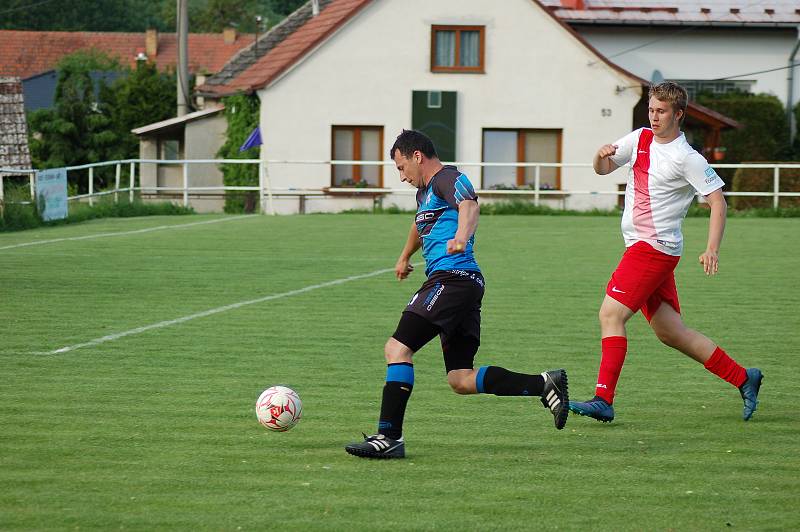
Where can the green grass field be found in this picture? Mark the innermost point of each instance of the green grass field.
(156, 429)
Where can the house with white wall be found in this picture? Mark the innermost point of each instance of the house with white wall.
(500, 82)
(707, 45)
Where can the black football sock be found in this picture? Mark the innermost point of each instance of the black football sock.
(396, 391)
(500, 381)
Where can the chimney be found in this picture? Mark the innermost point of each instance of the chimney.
(151, 43)
(577, 5)
(229, 35)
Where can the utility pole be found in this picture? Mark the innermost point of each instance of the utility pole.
(182, 26)
(790, 96)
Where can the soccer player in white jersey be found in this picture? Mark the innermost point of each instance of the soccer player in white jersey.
(665, 175)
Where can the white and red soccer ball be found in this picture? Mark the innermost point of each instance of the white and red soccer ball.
(279, 408)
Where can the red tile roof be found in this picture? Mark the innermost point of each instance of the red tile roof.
(310, 32)
(27, 53)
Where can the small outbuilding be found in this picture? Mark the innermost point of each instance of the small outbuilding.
(197, 135)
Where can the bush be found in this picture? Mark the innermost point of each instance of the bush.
(764, 135)
(242, 114)
(519, 206)
(522, 207)
(17, 217)
(761, 180)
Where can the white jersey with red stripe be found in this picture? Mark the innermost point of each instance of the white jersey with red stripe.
(662, 181)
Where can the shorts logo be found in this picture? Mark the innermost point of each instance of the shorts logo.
(667, 244)
(434, 296)
(477, 278)
(615, 289)
(413, 299)
(603, 386)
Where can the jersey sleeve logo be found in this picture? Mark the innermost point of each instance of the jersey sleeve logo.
(463, 189)
(711, 175)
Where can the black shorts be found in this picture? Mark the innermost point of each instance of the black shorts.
(447, 304)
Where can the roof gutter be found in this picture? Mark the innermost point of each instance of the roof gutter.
(671, 23)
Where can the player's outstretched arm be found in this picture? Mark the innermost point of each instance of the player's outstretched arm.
(468, 213)
(403, 267)
(709, 259)
(602, 163)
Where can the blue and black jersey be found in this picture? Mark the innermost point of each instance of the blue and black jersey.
(437, 220)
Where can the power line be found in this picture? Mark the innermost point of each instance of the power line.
(664, 38)
(30, 6)
(758, 72)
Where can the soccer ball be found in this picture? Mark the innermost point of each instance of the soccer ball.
(278, 408)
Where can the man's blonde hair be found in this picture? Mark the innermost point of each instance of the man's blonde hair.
(672, 93)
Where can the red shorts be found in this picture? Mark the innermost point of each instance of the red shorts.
(643, 279)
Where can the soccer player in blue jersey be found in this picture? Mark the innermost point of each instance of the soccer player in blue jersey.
(448, 304)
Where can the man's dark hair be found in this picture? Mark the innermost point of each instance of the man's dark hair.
(411, 140)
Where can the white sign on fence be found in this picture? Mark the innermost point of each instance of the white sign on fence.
(51, 193)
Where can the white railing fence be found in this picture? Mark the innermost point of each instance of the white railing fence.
(266, 192)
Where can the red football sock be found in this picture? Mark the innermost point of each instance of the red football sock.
(614, 349)
(724, 367)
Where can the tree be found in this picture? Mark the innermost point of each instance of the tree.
(74, 131)
(212, 16)
(139, 15)
(90, 124)
(217, 14)
(796, 144)
(764, 135)
(284, 8)
(141, 97)
(84, 15)
(242, 114)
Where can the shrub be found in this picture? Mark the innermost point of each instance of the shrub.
(17, 216)
(761, 180)
(519, 206)
(241, 112)
(764, 135)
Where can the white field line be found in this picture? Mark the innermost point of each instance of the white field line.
(233, 306)
(123, 233)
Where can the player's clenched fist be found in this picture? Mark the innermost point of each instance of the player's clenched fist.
(455, 245)
(602, 163)
(607, 151)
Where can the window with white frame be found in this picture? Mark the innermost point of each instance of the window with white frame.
(697, 86)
